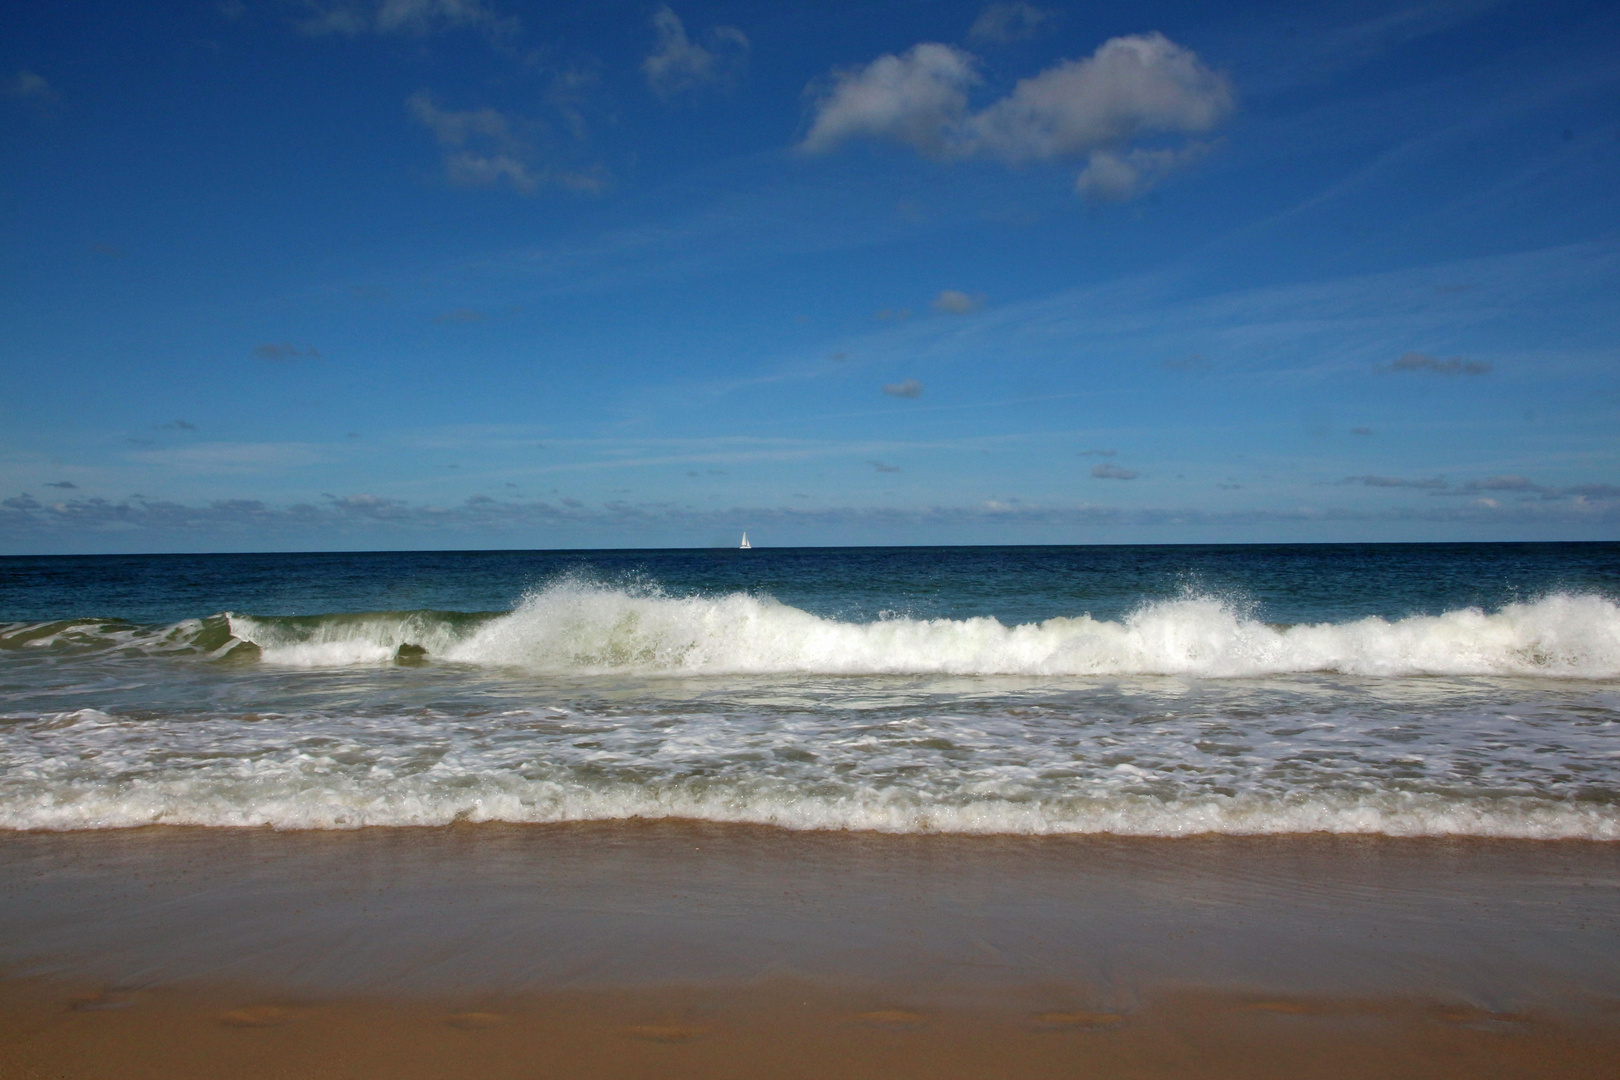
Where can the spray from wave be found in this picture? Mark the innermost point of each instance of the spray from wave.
(581, 628)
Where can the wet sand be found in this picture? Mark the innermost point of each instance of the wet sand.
(776, 1029)
(684, 949)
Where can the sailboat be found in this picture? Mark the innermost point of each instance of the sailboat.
(745, 545)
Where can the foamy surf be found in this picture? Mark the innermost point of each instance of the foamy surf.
(329, 807)
(584, 629)
(587, 701)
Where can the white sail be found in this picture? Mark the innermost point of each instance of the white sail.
(745, 545)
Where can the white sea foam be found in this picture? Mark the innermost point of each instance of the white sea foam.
(1237, 763)
(796, 724)
(316, 803)
(581, 628)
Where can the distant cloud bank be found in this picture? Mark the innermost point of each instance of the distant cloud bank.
(153, 522)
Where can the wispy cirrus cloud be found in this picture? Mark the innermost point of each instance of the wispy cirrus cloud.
(679, 65)
(487, 148)
(35, 91)
(1431, 483)
(1423, 362)
(278, 352)
(1503, 484)
(1003, 24)
(417, 18)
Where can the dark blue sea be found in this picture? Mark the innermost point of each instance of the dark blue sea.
(1407, 689)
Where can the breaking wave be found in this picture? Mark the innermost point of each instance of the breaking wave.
(572, 627)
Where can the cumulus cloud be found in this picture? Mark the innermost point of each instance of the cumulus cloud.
(417, 18)
(486, 147)
(918, 98)
(1110, 471)
(910, 388)
(1456, 365)
(1131, 86)
(680, 65)
(1002, 24)
(952, 302)
(282, 352)
(1142, 86)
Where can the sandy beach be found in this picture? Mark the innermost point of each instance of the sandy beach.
(688, 949)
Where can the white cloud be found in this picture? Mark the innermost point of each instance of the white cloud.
(919, 98)
(910, 388)
(1002, 24)
(1142, 86)
(1132, 86)
(952, 302)
(485, 147)
(680, 65)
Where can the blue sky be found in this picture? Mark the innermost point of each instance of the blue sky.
(328, 274)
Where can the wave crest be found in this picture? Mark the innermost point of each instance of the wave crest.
(581, 628)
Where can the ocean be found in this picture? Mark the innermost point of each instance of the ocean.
(1412, 690)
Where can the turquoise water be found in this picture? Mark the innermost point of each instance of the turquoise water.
(1406, 689)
